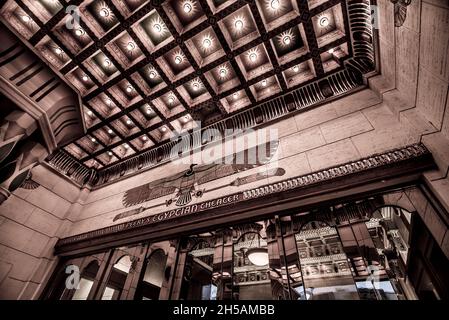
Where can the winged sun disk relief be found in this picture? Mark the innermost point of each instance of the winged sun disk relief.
(186, 184)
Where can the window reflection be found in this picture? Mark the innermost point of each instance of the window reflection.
(117, 279)
(250, 279)
(325, 269)
(198, 281)
(153, 276)
(86, 281)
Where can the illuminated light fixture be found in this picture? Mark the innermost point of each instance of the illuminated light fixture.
(196, 85)
(26, 18)
(275, 4)
(129, 89)
(110, 131)
(207, 42)
(331, 51)
(223, 72)
(164, 129)
(104, 12)
(253, 55)
(128, 122)
(171, 99)
(93, 139)
(110, 153)
(126, 146)
(106, 62)
(238, 23)
(148, 111)
(108, 102)
(296, 68)
(79, 32)
(89, 112)
(258, 256)
(144, 138)
(152, 74)
(58, 50)
(264, 83)
(130, 46)
(186, 118)
(188, 6)
(235, 95)
(158, 26)
(286, 38)
(85, 78)
(324, 21)
(178, 58)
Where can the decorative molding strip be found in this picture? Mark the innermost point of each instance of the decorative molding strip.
(340, 171)
(375, 161)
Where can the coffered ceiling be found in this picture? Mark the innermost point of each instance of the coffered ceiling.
(148, 71)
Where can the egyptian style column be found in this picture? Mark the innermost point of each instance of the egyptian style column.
(16, 171)
(15, 127)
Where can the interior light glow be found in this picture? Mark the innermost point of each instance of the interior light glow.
(110, 131)
(79, 32)
(178, 59)
(275, 4)
(171, 99)
(85, 78)
(130, 46)
(26, 18)
(58, 50)
(93, 139)
(128, 122)
(188, 6)
(252, 56)
(129, 89)
(106, 62)
(126, 146)
(104, 12)
(152, 74)
(235, 95)
(110, 153)
(196, 85)
(238, 24)
(144, 138)
(296, 68)
(331, 51)
(264, 83)
(258, 256)
(324, 22)
(89, 112)
(223, 72)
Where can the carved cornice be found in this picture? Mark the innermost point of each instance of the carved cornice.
(340, 171)
(376, 161)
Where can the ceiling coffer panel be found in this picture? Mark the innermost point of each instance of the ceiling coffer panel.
(146, 70)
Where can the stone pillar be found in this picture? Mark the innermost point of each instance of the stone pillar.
(16, 171)
(16, 126)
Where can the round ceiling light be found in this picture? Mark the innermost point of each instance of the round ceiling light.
(93, 140)
(85, 78)
(110, 131)
(178, 59)
(89, 112)
(286, 39)
(235, 95)
(110, 153)
(275, 4)
(131, 46)
(171, 99)
(26, 18)
(128, 122)
(58, 50)
(157, 27)
(324, 22)
(106, 62)
(264, 83)
(104, 12)
(238, 24)
(126, 146)
(79, 32)
(207, 42)
(129, 89)
(144, 138)
(148, 111)
(152, 74)
(196, 85)
(296, 68)
(164, 129)
(187, 6)
(331, 51)
(223, 72)
(252, 56)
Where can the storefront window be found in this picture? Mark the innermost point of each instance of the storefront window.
(117, 279)
(86, 281)
(324, 265)
(153, 276)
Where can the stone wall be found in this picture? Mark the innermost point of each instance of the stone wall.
(31, 222)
